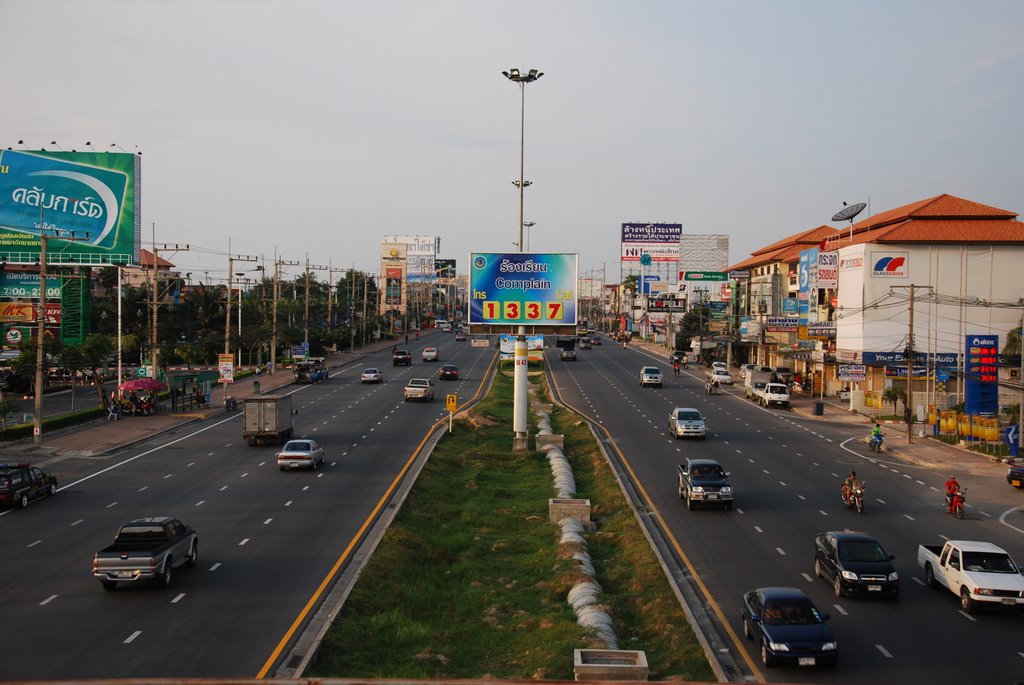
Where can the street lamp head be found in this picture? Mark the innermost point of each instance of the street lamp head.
(529, 224)
(513, 74)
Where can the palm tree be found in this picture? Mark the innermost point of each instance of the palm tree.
(894, 394)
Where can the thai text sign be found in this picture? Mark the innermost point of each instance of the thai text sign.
(853, 372)
(659, 241)
(88, 201)
(15, 285)
(828, 269)
(226, 366)
(981, 372)
(523, 288)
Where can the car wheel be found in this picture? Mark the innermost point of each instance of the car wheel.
(165, 577)
(52, 489)
(314, 464)
(689, 502)
(837, 586)
(966, 603)
(746, 629)
(193, 555)
(817, 568)
(765, 657)
(929, 576)
(109, 585)
(23, 501)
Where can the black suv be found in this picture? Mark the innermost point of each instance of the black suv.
(22, 483)
(16, 382)
(401, 358)
(704, 481)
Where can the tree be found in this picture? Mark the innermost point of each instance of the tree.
(894, 394)
(95, 350)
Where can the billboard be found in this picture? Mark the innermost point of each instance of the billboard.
(661, 241)
(523, 288)
(445, 268)
(981, 374)
(420, 255)
(89, 200)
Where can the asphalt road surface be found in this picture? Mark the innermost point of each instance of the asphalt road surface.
(786, 472)
(268, 539)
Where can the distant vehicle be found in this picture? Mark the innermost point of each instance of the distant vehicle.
(784, 374)
(371, 375)
(746, 369)
(16, 382)
(430, 354)
(650, 375)
(754, 383)
(594, 340)
(300, 454)
(584, 343)
(567, 355)
(448, 372)
(855, 563)
(788, 628)
(267, 418)
(720, 365)
(310, 371)
(686, 422)
(980, 573)
(401, 358)
(146, 549)
(22, 483)
(460, 336)
(442, 324)
(704, 481)
(721, 375)
(418, 389)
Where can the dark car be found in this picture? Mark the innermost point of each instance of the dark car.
(1015, 476)
(788, 628)
(567, 355)
(594, 340)
(855, 563)
(16, 382)
(401, 358)
(704, 481)
(22, 483)
(584, 343)
(460, 335)
(448, 372)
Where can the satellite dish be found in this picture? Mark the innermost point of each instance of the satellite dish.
(847, 213)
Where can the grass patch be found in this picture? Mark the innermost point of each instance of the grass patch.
(470, 581)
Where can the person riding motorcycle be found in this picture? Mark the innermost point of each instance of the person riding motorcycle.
(849, 485)
(876, 435)
(675, 366)
(952, 487)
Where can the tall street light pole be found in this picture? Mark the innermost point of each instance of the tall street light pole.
(520, 423)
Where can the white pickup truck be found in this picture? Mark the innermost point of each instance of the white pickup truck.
(978, 572)
(419, 389)
(773, 394)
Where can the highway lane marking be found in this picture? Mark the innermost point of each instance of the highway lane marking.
(801, 497)
(822, 512)
(781, 551)
(840, 609)
(191, 463)
(917, 580)
(305, 487)
(944, 537)
(1002, 520)
(33, 544)
(200, 502)
(966, 615)
(131, 638)
(244, 541)
(782, 483)
(215, 566)
(807, 577)
(48, 600)
(111, 505)
(168, 476)
(75, 523)
(985, 513)
(758, 529)
(919, 482)
(908, 516)
(320, 475)
(224, 487)
(267, 521)
(880, 501)
(143, 488)
(178, 598)
(245, 474)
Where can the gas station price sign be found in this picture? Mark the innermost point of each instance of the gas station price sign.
(523, 288)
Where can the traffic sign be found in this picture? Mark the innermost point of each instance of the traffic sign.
(645, 259)
(451, 402)
(13, 336)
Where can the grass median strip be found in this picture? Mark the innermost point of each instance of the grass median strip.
(470, 581)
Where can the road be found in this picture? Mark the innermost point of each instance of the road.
(268, 539)
(786, 472)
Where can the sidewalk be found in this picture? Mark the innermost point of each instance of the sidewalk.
(105, 436)
(922, 451)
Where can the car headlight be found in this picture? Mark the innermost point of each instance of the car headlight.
(893, 577)
(778, 646)
(726, 490)
(698, 489)
(849, 575)
(983, 591)
(829, 646)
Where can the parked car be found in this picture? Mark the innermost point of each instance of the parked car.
(300, 454)
(746, 369)
(371, 375)
(855, 563)
(448, 372)
(784, 374)
(1015, 476)
(721, 375)
(650, 375)
(21, 483)
(686, 422)
(430, 354)
(788, 628)
(704, 481)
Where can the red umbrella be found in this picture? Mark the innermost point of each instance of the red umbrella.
(142, 384)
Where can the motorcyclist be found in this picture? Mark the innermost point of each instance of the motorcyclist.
(876, 434)
(848, 485)
(675, 366)
(952, 487)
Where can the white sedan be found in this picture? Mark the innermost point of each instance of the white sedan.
(371, 375)
(721, 375)
(300, 454)
(430, 354)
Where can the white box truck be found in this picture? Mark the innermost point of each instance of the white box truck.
(267, 418)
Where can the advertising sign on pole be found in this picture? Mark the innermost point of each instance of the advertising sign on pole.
(704, 275)
(91, 197)
(660, 241)
(828, 269)
(981, 371)
(523, 288)
(853, 372)
(226, 366)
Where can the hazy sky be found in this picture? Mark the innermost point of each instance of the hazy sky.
(317, 126)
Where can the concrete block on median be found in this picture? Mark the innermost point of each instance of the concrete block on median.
(579, 509)
(545, 441)
(610, 664)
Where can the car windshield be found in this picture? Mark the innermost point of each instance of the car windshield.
(861, 550)
(988, 562)
(791, 612)
(687, 416)
(707, 471)
(297, 446)
(370, 371)
(651, 369)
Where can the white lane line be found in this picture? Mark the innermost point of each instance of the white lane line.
(807, 577)
(223, 488)
(267, 521)
(305, 488)
(288, 503)
(917, 580)
(178, 598)
(215, 566)
(985, 513)
(781, 551)
(919, 482)
(801, 497)
(822, 512)
(77, 522)
(168, 476)
(966, 615)
(782, 483)
(200, 502)
(908, 516)
(47, 600)
(143, 488)
(840, 610)
(111, 505)
(880, 501)
(261, 463)
(884, 651)
(245, 474)
(320, 475)
(191, 463)
(132, 637)
(209, 454)
(244, 540)
(33, 544)
(739, 511)
(758, 529)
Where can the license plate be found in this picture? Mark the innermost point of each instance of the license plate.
(805, 661)
(1008, 602)
(125, 574)
(874, 588)
(712, 496)
(1016, 483)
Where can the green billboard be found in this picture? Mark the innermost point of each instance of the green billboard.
(86, 203)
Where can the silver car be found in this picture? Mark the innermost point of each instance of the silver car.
(686, 422)
(300, 454)
(650, 375)
(371, 375)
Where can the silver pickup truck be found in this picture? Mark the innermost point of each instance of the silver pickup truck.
(419, 389)
(146, 549)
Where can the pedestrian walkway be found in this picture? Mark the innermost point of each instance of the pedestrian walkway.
(105, 436)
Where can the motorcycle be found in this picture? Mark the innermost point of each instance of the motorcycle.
(854, 496)
(875, 442)
(955, 504)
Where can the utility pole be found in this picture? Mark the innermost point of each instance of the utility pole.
(306, 315)
(910, 359)
(155, 299)
(227, 312)
(278, 263)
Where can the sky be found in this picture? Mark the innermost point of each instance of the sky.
(308, 129)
